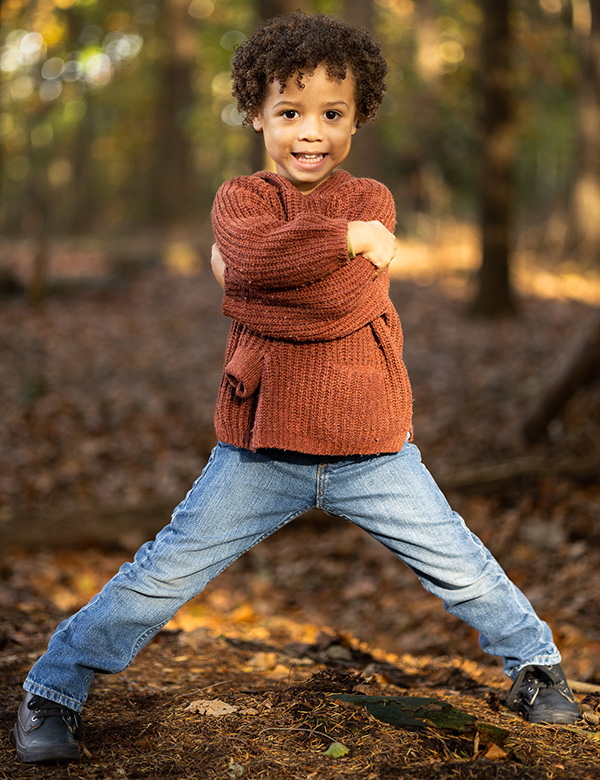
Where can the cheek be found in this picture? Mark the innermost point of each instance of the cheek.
(273, 136)
(344, 137)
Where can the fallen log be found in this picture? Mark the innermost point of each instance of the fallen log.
(487, 479)
(583, 687)
(126, 527)
(577, 367)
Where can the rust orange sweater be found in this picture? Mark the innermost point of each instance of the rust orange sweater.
(314, 357)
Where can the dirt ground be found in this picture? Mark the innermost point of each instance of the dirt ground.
(278, 674)
(107, 398)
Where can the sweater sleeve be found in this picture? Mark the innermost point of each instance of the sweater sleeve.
(368, 200)
(262, 250)
(344, 297)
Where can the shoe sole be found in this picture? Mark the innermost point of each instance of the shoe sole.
(564, 720)
(58, 754)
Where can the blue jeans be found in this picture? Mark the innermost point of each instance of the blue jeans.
(240, 498)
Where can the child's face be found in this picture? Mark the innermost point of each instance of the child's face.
(308, 132)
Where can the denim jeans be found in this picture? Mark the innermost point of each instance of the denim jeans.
(240, 498)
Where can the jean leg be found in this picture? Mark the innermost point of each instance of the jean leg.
(396, 500)
(239, 499)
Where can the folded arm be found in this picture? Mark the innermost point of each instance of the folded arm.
(371, 239)
(264, 250)
(296, 288)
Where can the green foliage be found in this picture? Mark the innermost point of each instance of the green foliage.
(82, 136)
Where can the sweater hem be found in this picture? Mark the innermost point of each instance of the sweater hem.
(315, 447)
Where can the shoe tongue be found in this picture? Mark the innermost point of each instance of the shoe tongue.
(547, 675)
(43, 705)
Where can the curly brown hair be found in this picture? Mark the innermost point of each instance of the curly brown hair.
(297, 43)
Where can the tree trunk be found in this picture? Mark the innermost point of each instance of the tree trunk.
(494, 295)
(583, 237)
(82, 198)
(174, 193)
(366, 155)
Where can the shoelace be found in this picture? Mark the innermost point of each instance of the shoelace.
(537, 678)
(44, 708)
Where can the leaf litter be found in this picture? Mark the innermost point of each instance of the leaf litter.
(110, 392)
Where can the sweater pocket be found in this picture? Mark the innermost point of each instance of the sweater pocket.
(336, 409)
(244, 370)
(350, 406)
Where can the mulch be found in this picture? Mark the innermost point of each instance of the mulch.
(107, 401)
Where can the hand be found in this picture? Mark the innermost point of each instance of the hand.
(217, 265)
(374, 242)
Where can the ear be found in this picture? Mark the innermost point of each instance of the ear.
(355, 127)
(257, 123)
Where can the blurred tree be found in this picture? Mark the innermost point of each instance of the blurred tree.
(266, 9)
(366, 156)
(430, 190)
(120, 111)
(174, 178)
(494, 296)
(583, 236)
(428, 117)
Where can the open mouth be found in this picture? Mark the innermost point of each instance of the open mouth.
(305, 157)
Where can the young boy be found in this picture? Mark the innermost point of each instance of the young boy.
(314, 407)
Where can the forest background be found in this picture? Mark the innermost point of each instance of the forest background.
(117, 126)
(118, 116)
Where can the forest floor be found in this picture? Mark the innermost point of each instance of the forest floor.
(107, 393)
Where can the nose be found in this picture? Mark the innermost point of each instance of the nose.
(310, 128)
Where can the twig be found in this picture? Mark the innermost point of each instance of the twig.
(297, 728)
(583, 687)
(199, 690)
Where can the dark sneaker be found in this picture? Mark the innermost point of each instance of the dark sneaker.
(543, 694)
(46, 731)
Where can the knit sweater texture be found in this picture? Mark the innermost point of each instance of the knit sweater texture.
(314, 357)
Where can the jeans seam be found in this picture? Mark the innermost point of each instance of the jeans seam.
(159, 626)
(185, 501)
(321, 485)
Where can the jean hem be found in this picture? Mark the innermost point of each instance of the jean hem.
(52, 695)
(538, 660)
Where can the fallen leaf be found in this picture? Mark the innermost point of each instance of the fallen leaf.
(495, 753)
(592, 717)
(338, 653)
(336, 750)
(262, 661)
(411, 711)
(234, 769)
(210, 707)
(488, 733)
(280, 672)
(244, 614)
(363, 688)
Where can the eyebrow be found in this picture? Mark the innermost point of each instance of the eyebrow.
(293, 103)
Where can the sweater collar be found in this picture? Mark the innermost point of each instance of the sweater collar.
(337, 179)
